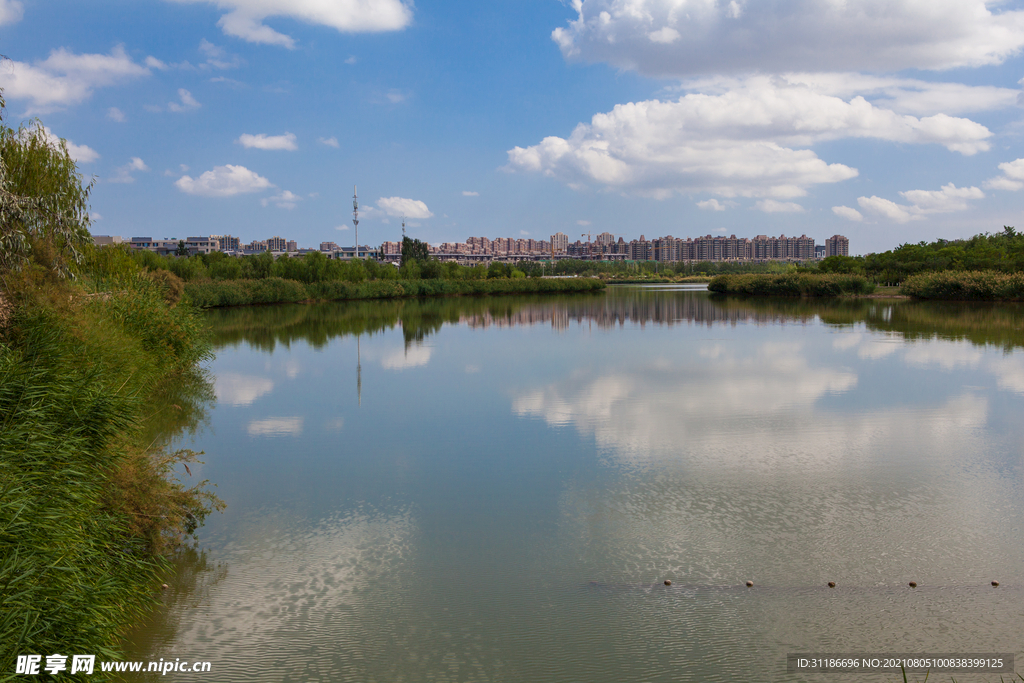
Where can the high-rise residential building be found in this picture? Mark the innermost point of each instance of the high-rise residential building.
(256, 246)
(277, 244)
(293, 245)
(329, 246)
(227, 242)
(837, 245)
(605, 238)
(560, 243)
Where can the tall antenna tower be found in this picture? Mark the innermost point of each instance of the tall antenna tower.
(355, 218)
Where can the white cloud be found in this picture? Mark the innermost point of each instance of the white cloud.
(743, 142)
(95, 216)
(922, 202)
(665, 35)
(711, 205)
(65, 78)
(261, 141)
(847, 212)
(330, 142)
(245, 18)
(858, 35)
(774, 206)
(224, 181)
(187, 102)
(396, 96)
(583, 223)
(886, 208)
(470, 193)
(123, 174)
(82, 154)
(351, 60)
(10, 12)
(276, 426)
(154, 63)
(1012, 178)
(400, 206)
(285, 200)
(341, 227)
(115, 114)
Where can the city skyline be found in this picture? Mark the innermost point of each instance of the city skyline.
(529, 118)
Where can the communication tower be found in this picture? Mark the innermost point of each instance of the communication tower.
(355, 218)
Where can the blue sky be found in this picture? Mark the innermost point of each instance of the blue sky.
(884, 120)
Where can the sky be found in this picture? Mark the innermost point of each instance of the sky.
(888, 121)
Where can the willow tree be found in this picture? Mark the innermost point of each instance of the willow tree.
(44, 204)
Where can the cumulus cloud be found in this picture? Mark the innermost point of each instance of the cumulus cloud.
(742, 142)
(848, 213)
(115, 114)
(10, 12)
(330, 142)
(1012, 178)
(123, 174)
(217, 57)
(690, 37)
(285, 200)
(400, 206)
(224, 181)
(774, 206)
(65, 78)
(470, 193)
(245, 18)
(403, 359)
(236, 389)
(711, 205)
(922, 202)
(261, 141)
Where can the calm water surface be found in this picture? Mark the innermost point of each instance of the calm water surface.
(495, 489)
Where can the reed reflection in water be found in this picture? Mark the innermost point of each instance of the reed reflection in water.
(495, 488)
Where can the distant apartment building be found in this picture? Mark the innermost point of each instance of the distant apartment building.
(391, 248)
(293, 245)
(228, 242)
(201, 245)
(277, 244)
(256, 246)
(837, 245)
(560, 243)
(164, 247)
(605, 238)
(330, 246)
(106, 240)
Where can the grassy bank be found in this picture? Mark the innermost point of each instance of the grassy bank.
(791, 284)
(89, 504)
(217, 293)
(986, 285)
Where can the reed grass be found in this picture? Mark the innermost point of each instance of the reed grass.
(791, 284)
(985, 285)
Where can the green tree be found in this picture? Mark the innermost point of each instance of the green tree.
(44, 205)
(414, 249)
(182, 250)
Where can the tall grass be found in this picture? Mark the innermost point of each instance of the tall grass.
(791, 284)
(87, 506)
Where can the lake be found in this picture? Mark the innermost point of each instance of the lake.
(495, 489)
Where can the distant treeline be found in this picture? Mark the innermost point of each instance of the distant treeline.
(1001, 252)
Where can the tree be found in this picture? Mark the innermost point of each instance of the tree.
(182, 250)
(414, 249)
(44, 205)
